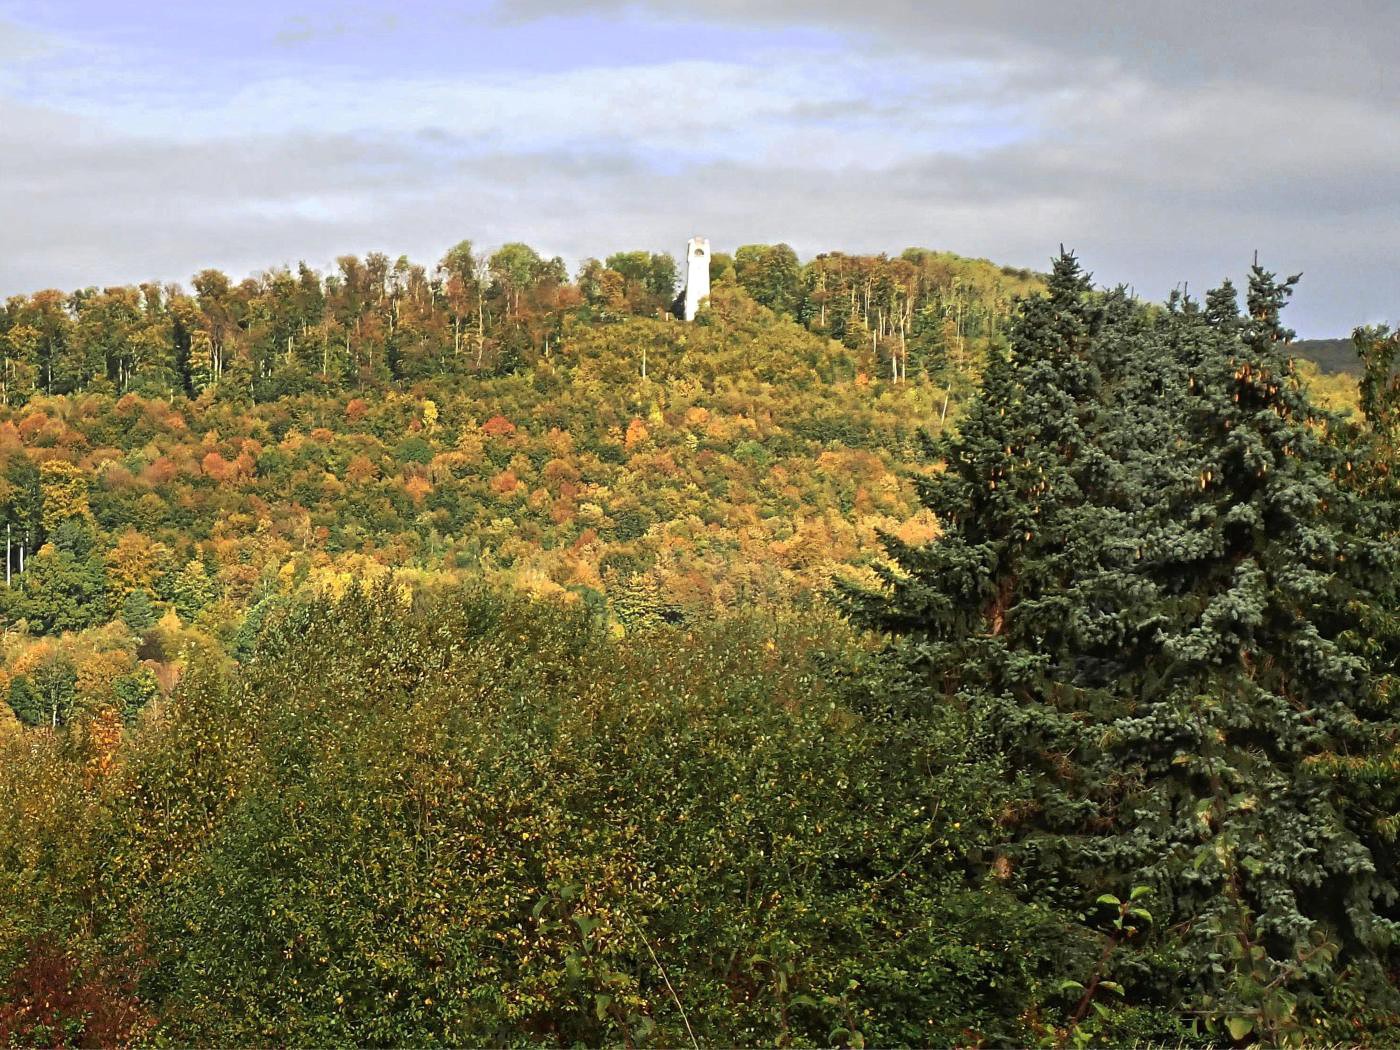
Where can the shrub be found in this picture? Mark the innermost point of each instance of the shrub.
(479, 820)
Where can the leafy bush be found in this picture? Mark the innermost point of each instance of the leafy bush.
(479, 820)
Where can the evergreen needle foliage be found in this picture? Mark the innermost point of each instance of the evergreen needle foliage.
(1163, 596)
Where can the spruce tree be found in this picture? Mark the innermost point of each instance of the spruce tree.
(1157, 594)
(1266, 567)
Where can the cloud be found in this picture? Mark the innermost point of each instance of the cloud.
(849, 108)
(1343, 45)
(19, 43)
(994, 129)
(345, 23)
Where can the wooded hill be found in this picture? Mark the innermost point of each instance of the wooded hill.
(490, 420)
(1027, 678)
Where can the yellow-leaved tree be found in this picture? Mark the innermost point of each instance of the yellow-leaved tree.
(64, 489)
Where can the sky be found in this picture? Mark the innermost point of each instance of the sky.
(1165, 144)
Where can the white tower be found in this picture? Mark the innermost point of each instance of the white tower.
(697, 275)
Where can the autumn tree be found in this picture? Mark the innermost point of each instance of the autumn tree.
(64, 491)
(771, 274)
(464, 293)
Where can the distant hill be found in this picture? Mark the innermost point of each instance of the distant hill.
(1330, 355)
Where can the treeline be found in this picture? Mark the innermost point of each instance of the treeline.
(377, 320)
(1331, 355)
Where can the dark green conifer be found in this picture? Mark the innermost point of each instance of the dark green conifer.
(1153, 594)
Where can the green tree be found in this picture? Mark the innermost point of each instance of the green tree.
(138, 610)
(771, 274)
(26, 701)
(45, 697)
(134, 692)
(193, 590)
(793, 884)
(515, 267)
(462, 286)
(1152, 594)
(74, 536)
(649, 278)
(1379, 351)
(59, 592)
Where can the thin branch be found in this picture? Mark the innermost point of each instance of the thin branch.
(675, 998)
